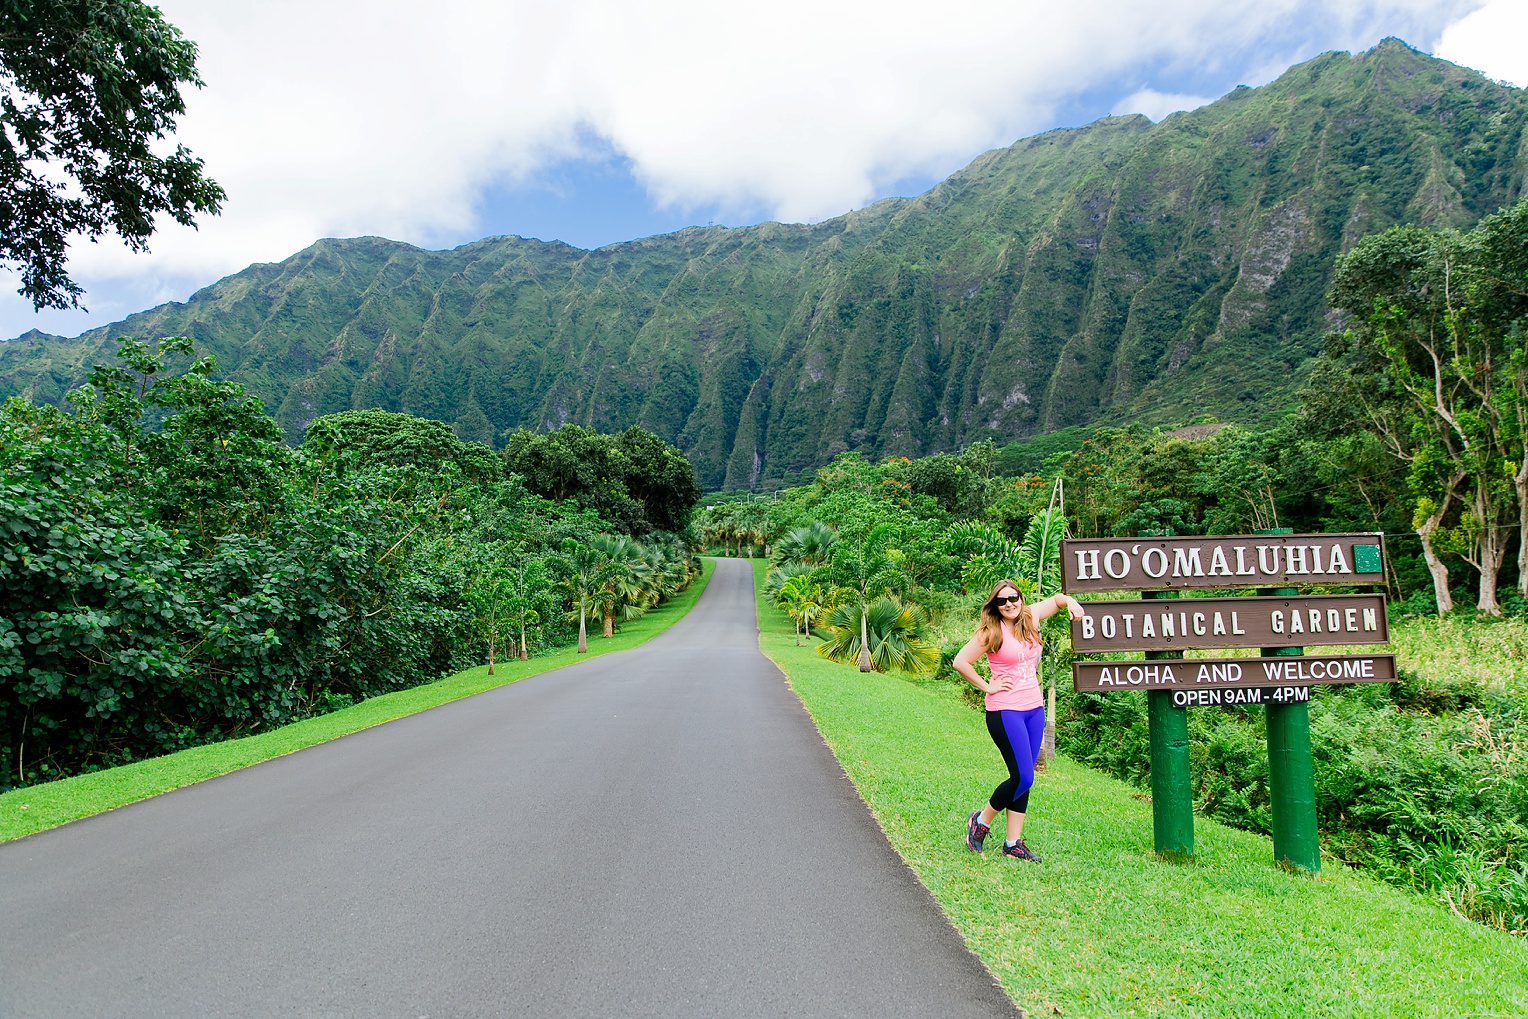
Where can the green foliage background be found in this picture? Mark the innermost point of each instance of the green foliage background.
(1420, 781)
(200, 580)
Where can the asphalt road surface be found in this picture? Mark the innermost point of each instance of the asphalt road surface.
(659, 832)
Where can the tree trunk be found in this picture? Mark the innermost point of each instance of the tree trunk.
(609, 619)
(583, 644)
(1520, 480)
(1490, 550)
(490, 654)
(523, 656)
(1435, 565)
(1048, 741)
(864, 655)
(798, 632)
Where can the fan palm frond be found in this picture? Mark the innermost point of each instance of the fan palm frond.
(897, 637)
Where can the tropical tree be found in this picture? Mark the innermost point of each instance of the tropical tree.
(622, 592)
(584, 573)
(1427, 352)
(491, 596)
(751, 526)
(890, 636)
(775, 579)
(718, 525)
(527, 580)
(1034, 562)
(866, 570)
(802, 600)
(810, 544)
(92, 91)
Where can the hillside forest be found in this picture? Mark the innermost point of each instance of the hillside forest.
(1119, 272)
(174, 573)
(1412, 425)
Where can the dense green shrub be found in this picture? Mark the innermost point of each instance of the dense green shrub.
(167, 586)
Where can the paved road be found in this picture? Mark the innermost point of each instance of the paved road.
(659, 832)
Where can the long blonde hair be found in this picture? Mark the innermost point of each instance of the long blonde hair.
(989, 630)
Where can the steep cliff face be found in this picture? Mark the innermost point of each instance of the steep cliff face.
(1124, 270)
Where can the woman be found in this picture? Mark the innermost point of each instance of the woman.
(1009, 635)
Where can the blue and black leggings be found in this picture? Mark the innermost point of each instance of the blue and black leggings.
(1017, 735)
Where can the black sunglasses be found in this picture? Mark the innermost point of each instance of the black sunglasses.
(1000, 602)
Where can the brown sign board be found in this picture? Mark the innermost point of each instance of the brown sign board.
(1242, 560)
(1172, 624)
(1232, 673)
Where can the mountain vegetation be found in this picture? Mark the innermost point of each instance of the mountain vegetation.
(1122, 271)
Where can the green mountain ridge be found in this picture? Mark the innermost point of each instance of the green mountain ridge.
(1119, 271)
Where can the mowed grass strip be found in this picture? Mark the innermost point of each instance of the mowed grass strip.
(1102, 928)
(36, 808)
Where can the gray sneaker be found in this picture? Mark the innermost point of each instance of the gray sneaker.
(976, 832)
(1020, 851)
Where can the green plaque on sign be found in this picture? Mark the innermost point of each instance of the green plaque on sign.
(1366, 559)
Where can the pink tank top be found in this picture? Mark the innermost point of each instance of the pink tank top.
(1018, 662)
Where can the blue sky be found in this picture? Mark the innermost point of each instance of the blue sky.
(596, 121)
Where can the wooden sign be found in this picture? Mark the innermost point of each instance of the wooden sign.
(1232, 673)
(1267, 560)
(1279, 621)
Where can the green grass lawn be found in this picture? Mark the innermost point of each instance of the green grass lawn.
(1104, 929)
(35, 808)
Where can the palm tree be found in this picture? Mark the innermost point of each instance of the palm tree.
(989, 556)
(752, 523)
(775, 579)
(892, 636)
(527, 581)
(865, 571)
(718, 524)
(808, 544)
(585, 571)
(490, 596)
(623, 586)
(802, 600)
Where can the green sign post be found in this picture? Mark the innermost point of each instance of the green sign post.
(1172, 786)
(1291, 773)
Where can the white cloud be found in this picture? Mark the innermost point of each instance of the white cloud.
(344, 117)
(1156, 105)
(1493, 40)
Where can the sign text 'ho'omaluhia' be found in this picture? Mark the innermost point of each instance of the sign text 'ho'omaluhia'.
(1152, 564)
(1228, 673)
(1280, 621)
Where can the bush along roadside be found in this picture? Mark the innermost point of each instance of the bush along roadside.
(173, 574)
(49, 804)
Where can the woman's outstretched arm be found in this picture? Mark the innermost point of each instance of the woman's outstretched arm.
(1048, 607)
